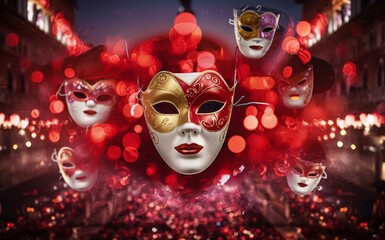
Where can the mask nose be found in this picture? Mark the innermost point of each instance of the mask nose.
(189, 129)
(90, 103)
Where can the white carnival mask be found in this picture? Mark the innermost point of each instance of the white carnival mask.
(188, 115)
(297, 91)
(90, 104)
(254, 31)
(79, 167)
(305, 176)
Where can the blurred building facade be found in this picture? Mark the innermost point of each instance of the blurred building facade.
(350, 34)
(27, 42)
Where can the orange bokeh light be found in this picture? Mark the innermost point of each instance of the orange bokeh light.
(35, 113)
(56, 106)
(236, 144)
(206, 60)
(303, 28)
(250, 122)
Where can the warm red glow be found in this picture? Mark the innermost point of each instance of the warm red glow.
(35, 113)
(138, 128)
(145, 60)
(131, 139)
(292, 46)
(114, 152)
(236, 144)
(186, 66)
(151, 169)
(179, 46)
(250, 122)
(303, 28)
(130, 154)
(185, 23)
(69, 73)
(251, 110)
(56, 106)
(258, 83)
(287, 71)
(12, 39)
(37, 76)
(171, 180)
(269, 120)
(349, 68)
(271, 97)
(98, 134)
(121, 88)
(25, 63)
(304, 55)
(206, 60)
(54, 135)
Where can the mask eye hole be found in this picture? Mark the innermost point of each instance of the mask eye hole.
(312, 174)
(267, 29)
(68, 165)
(165, 108)
(210, 107)
(246, 28)
(79, 95)
(104, 98)
(297, 170)
(302, 82)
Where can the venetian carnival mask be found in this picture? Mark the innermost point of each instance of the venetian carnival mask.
(188, 115)
(78, 167)
(254, 31)
(89, 104)
(305, 176)
(296, 91)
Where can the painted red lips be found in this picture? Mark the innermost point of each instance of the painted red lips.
(256, 47)
(89, 112)
(189, 149)
(302, 184)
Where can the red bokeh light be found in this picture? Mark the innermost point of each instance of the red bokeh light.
(185, 23)
(251, 110)
(35, 113)
(151, 169)
(138, 128)
(54, 135)
(131, 139)
(349, 67)
(287, 71)
(145, 60)
(69, 73)
(206, 60)
(271, 97)
(121, 88)
(236, 144)
(269, 120)
(98, 134)
(114, 153)
(56, 106)
(130, 154)
(37, 76)
(12, 39)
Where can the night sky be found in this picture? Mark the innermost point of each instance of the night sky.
(105, 22)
